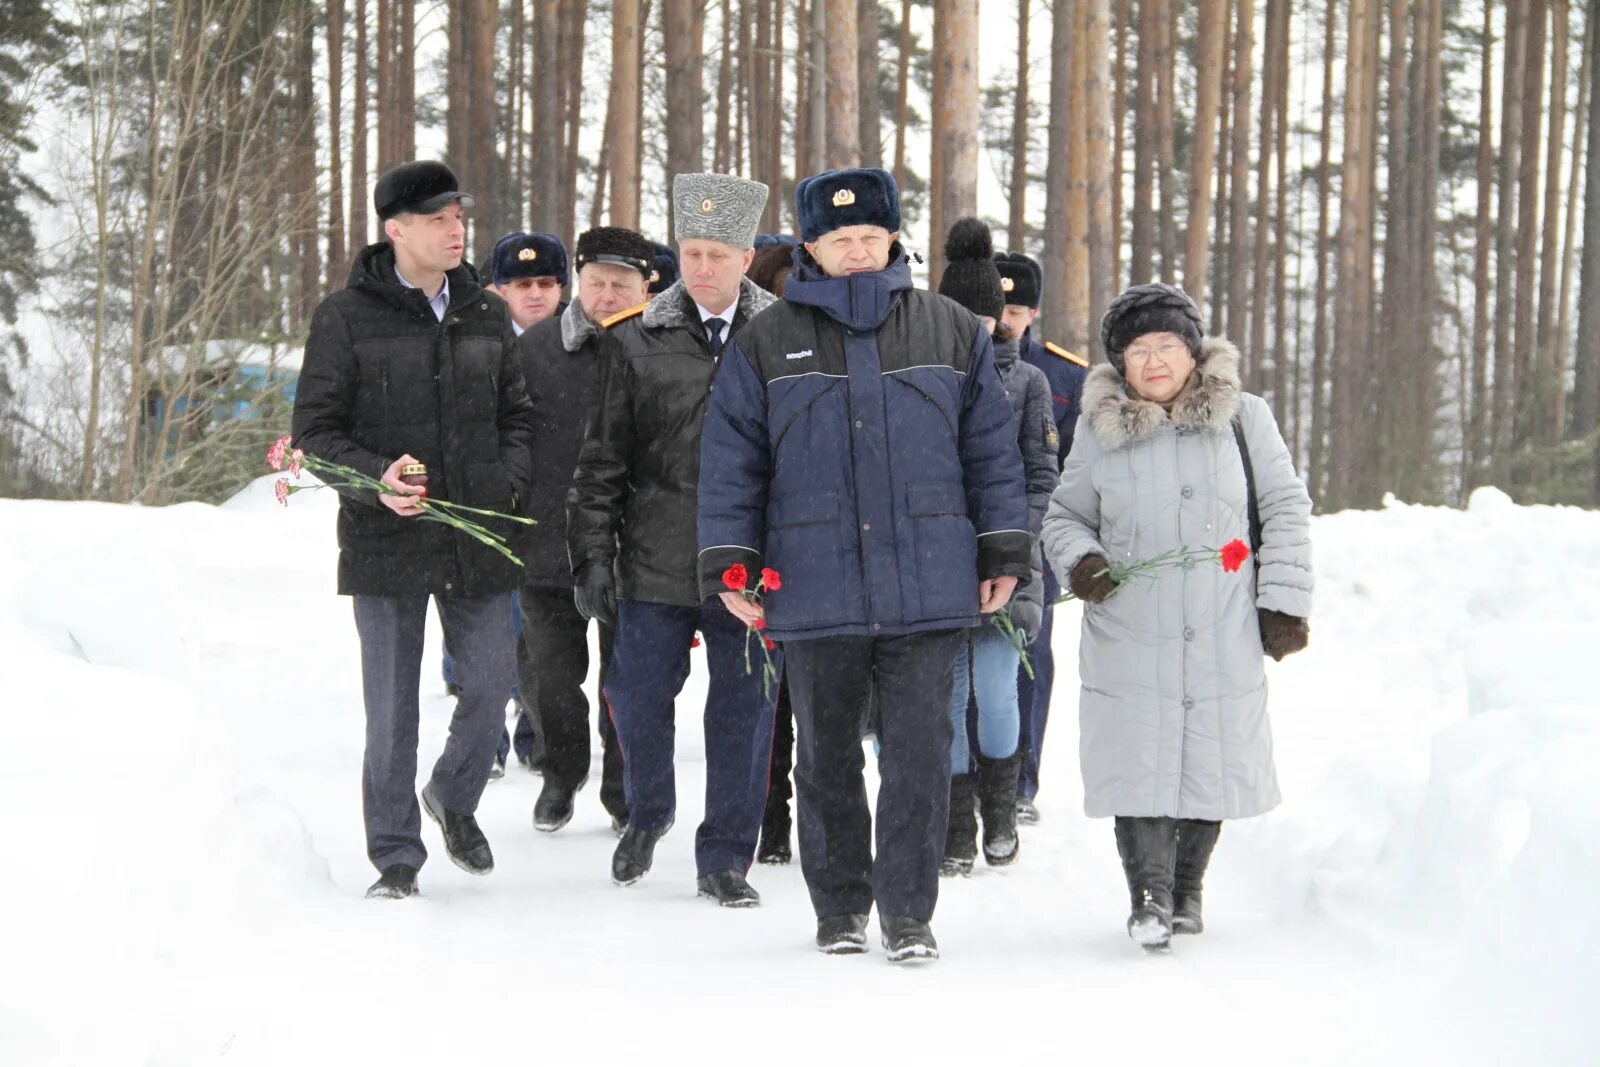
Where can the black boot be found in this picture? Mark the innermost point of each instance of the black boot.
(997, 798)
(775, 827)
(842, 935)
(961, 837)
(1196, 839)
(398, 882)
(465, 843)
(635, 852)
(729, 889)
(1149, 848)
(907, 940)
(553, 809)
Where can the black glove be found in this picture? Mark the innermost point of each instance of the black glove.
(1282, 634)
(596, 593)
(1087, 582)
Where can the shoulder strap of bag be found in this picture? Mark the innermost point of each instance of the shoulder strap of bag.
(1249, 485)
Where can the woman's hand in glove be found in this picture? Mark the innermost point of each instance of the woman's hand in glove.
(1282, 634)
(1091, 579)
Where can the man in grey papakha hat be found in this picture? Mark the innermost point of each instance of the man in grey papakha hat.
(632, 514)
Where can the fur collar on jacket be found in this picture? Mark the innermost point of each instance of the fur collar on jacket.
(1209, 400)
(576, 326)
(674, 308)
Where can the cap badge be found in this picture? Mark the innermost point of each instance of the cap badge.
(655, 276)
(1007, 284)
(707, 206)
(844, 198)
(528, 255)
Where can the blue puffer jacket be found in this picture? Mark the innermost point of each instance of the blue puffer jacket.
(860, 442)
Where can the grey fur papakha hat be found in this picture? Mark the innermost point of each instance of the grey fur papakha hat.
(717, 207)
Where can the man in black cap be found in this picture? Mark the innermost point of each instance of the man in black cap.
(1021, 279)
(562, 361)
(860, 442)
(632, 537)
(414, 363)
(663, 269)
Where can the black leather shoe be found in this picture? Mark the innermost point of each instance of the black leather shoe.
(907, 940)
(774, 850)
(465, 843)
(842, 935)
(553, 809)
(396, 883)
(619, 824)
(498, 771)
(635, 852)
(1027, 812)
(729, 889)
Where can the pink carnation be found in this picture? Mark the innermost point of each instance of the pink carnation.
(297, 460)
(275, 454)
(281, 490)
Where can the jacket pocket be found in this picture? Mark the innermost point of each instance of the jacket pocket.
(946, 547)
(803, 546)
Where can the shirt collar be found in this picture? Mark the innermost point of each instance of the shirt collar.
(439, 301)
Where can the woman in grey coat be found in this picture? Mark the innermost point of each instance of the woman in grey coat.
(1173, 710)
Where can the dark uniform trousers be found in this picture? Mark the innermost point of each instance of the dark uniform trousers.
(908, 679)
(1033, 695)
(648, 669)
(391, 630)
(552, 663)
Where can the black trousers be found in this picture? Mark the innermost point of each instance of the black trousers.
(776, 822)
(391, 631)
(831, 682)
(552, 662)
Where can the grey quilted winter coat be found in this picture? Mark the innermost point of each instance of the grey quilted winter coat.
(1173, 709)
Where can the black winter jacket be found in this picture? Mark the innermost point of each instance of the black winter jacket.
(635, 495)
(561, 359)
(383, 377)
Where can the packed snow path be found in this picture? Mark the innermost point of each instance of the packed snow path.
(180, 756)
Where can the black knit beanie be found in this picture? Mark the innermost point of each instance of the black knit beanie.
(1149, 308)
(970, 276)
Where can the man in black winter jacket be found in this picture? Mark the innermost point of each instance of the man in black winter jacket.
(561, 360)
(415, 363)
(632, 540)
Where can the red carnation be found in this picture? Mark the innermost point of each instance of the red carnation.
(770, 644)
(761, 623)
(736, 577)
(694, 642)
(771, 579)
(1233, 554)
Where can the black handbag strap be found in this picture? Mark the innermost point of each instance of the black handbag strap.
(1249, 485)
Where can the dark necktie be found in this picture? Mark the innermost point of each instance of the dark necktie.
(714, 329)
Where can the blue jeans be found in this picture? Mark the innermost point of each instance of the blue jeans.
(992, 670)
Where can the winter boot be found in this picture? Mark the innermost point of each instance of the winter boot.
(907, 940)
(775, 826)
(1027, 811)
(961, 837)
(997, 797)
(1149, 848)
(1196, 839)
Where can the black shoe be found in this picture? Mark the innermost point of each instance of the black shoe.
(619, 824)
(1196, 840)
(997, 799)
(635, 852)
(961, 835)
(774, 850)
(396, 883)
(531, 763)
(1150, 925)
(729, 889)
(907, 940)
(842, 935)
(465, 843)
(1027, 812)
(553, 809)
(499, 768)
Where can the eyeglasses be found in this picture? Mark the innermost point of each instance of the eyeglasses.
(1167, 353)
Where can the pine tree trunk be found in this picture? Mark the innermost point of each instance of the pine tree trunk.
(1398, 312)
(1017, 226)
(817, 87)
(1239, 185)
(1525, 327)
(953, 170)
(359, 178)
(902, 105)
(722, 146)
(1142, 238)
(1580, 120)
(335, 235)
(766, 135)
(685, 52)
(1097, 107)
(1477, 442)
(1219, 239)
(547, 184)
(1166, 144)
(573, 31)
(1549, 389)
(844, 95)
(1053, 258)
(1208, 79)
(1119, 116)
(870, 135)
(800, 102)
(1284, 410)
(1586, 358)
(1077, 335)
(1504, 387)
(1317, 445)
(1261, 285)
(622, 123)
(1350, 327)
(306, 197)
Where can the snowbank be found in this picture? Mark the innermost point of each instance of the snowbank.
(180, 735)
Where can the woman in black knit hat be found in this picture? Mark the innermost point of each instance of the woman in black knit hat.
(988, 662)
(1171, 454)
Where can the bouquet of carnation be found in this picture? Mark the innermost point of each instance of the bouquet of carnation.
(283, 456)
(737, 579)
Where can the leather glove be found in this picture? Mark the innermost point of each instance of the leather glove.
(1282, 634)
(1087, 584)
(596, 593)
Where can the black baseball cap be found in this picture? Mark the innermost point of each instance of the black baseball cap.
(420, 187)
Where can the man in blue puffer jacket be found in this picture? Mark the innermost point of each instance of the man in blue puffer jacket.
(860, 443)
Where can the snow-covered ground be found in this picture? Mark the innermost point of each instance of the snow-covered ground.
(180, 751)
